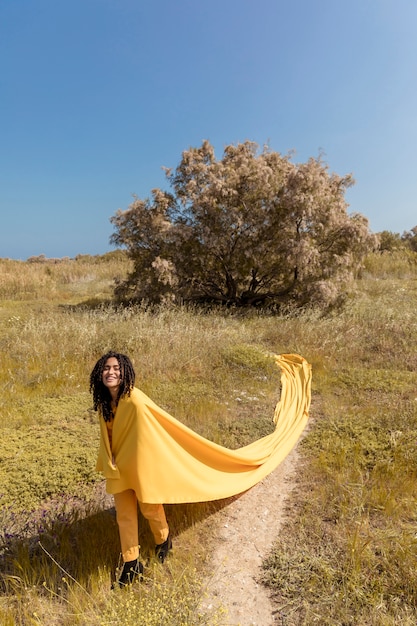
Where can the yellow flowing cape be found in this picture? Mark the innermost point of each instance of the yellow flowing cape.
(166, 462)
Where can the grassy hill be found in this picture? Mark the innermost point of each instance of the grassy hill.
(348, 553)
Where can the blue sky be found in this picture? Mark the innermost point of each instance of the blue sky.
(97, 95)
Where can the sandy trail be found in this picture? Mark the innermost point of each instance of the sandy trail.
(248, 528)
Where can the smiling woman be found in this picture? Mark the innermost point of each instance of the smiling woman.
(112, 379)
(148, 456)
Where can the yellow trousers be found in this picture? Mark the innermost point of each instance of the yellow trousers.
(126, 504)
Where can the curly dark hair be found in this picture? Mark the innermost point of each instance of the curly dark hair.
(101, 395)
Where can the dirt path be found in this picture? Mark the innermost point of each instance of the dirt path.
(248, 528)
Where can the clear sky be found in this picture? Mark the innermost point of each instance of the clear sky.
(97, 95)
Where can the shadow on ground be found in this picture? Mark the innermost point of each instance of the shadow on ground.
(73, 539)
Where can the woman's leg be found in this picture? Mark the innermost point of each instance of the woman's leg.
(127, 519)
(155, 514)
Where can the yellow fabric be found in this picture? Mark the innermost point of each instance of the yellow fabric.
(127, 520)
(126, 506)
(164, 461)
(109, 426)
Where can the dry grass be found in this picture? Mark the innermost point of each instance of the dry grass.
(49, 440)
(348, 553)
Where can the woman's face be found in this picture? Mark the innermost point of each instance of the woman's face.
(112, 375)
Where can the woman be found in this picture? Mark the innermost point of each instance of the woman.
(116, 400)
(148, 456)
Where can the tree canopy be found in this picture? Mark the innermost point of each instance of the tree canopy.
(251, 228)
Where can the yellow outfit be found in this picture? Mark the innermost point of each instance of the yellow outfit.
(126, 504)
(164, 461)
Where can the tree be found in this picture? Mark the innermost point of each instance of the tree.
(410, 238)
(389, 241)
(251, 228)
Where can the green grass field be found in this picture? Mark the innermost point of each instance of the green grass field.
(347, 554)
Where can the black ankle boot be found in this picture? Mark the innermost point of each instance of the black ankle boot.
(162, 549)
(130, 572)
